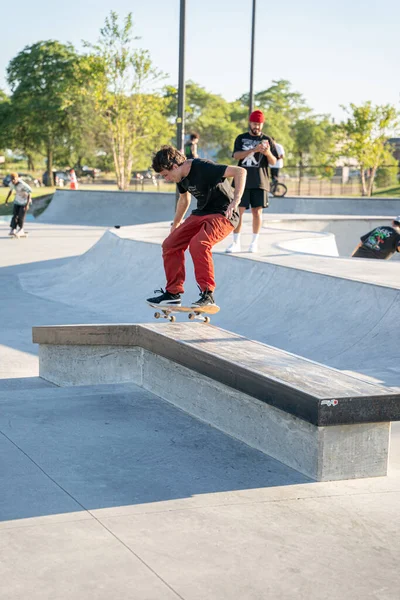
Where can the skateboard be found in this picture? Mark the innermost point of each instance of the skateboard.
(19, 235)
(166, 312)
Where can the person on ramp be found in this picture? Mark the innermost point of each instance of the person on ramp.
(22, 202)
(213, 220)
(382, 242)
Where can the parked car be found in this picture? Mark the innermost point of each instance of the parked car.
(60, 178)
(144, 177)
(32, 181)
(86, 171)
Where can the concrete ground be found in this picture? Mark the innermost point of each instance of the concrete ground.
(112, 493)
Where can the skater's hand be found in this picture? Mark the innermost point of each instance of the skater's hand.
(230, 210)
(174, 226)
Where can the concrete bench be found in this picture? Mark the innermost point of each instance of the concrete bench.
(317, 420)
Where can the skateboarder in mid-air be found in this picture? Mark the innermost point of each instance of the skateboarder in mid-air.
(381, 242)
(213, 220)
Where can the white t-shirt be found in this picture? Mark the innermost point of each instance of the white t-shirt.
(279, 161)
(22, 191)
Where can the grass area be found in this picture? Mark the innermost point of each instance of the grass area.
(393, 192)
(36, 193)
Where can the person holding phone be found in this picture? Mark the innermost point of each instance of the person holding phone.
(255, 151)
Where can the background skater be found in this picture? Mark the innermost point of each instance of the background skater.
(22, 201)
(213, 219)
(381, 242)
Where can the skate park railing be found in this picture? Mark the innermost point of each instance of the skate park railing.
(320, 421)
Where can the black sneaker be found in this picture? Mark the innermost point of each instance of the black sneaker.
(206, 299)
(165, 299)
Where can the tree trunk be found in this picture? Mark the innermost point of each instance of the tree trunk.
(129, 169)
(371, 180)
(50, 181)
(31, 164)
(363, 183)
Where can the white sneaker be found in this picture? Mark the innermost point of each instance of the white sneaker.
(12, 232)
(234, 247)
(253, 247)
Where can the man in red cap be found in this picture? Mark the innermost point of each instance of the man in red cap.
(254, 151)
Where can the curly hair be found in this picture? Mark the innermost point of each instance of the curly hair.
(166, 158)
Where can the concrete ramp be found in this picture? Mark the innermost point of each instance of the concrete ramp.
(109, 208)
(106, 209)
(345, 324)
(335, 206)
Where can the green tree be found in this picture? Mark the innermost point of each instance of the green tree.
(133, 115)
(282, 108)
(387, 174)
(44, 84)
(4, 120)
(313, 143)
(217, 121)
(364, 136)
(16, 132)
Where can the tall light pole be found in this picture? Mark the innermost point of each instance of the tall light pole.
(180, 121)
(253, 35)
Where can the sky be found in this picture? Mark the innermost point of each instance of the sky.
(332, 53)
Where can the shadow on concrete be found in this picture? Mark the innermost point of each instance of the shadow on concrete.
(79, 449)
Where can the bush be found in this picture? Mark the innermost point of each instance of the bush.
(386, 177)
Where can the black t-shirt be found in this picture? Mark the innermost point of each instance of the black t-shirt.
(213, 192)
(256, 164)
(190, 150)
(381, 242)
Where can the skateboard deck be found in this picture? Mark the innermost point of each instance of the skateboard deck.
(19, 235)
(166, 312)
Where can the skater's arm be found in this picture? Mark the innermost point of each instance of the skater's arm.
(356, 248)
(181, 209)
(28, 202)
(239, 177)
(8, 195)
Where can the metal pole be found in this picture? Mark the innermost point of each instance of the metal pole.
(180, 121)
(253, 35)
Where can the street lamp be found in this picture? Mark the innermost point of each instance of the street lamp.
(180, 121)
(253, 35)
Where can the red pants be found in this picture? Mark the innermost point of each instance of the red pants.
(200, 233)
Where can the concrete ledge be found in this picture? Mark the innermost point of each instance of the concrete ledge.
(308, 390)
(262, 396)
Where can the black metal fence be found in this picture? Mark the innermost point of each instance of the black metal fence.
(326, 180)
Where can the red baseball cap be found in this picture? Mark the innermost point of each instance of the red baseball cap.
(257, 117)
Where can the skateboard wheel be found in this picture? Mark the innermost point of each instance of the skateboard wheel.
(157, 315)
(191, 316)
(172, 319)
(207, 319)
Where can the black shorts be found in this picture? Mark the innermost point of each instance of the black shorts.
(255, 198)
